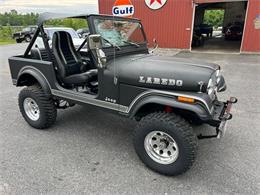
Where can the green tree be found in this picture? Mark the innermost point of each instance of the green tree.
(5, 33)
(13, 21)
(214, 17)
(69, 22)
(12, 18)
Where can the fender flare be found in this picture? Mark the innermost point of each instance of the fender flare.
(198, 109)
(36, 74)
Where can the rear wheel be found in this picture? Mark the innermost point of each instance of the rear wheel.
(165, 143)
(37, 108)
(27, 38)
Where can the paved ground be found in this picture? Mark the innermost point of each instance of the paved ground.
(88, 151)
(219, 44)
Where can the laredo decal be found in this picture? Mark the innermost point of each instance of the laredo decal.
(160, 81)
(123, 8)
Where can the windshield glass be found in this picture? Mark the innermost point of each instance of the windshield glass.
(119, 32)
(72, 32)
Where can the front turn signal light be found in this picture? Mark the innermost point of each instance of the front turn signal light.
(185, 99)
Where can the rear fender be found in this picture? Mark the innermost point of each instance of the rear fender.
(28, 76)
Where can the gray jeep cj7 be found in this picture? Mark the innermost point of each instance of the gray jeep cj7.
(117, 73)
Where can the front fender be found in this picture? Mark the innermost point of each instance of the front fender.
(28, 73)
(198, 109)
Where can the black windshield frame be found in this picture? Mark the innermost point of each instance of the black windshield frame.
(126, 49)
(110, 51)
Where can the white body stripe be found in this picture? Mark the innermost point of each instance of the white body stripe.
(77, 96)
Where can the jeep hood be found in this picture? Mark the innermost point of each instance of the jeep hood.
(139, 70)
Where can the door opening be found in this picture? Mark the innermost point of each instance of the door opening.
(218, 27)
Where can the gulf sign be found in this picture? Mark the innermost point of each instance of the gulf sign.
(123, 8)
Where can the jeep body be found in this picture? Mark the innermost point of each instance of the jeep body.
(131, 82)
(25, 35)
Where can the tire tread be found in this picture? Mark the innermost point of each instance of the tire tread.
(45, 100)
(183, 127)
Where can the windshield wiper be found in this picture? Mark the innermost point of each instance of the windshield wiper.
(112, 44)
(132, 43)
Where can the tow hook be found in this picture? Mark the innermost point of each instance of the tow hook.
(233, 100)
(226, 117)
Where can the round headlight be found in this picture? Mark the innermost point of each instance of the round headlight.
(217, 73)
(211, 88)
(210, 84)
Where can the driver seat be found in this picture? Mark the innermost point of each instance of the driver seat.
(69, 62)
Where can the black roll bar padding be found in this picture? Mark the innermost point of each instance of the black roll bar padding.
(81, 46)
(46, 43)
(28, 49)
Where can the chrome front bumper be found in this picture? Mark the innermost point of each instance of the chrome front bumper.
(221, 116)
(225, 117)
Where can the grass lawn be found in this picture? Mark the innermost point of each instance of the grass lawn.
(6, 41)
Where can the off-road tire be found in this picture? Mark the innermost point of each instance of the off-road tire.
(48, 111)
(179, 130)
(18, 40)
(27, 38)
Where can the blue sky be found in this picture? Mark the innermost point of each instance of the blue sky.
(39, 6)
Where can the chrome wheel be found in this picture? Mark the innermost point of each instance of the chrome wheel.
(31, 109)
(161, 147)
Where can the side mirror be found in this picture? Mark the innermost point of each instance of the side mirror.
(95, 43)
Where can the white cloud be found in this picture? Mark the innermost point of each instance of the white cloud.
(73, 6)
(47, 2)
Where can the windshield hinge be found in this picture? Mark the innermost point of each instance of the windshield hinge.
(115, 80)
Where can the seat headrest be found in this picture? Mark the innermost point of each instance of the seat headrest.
(62, 37)
(61, 33)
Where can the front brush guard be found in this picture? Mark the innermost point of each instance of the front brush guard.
(221, 118)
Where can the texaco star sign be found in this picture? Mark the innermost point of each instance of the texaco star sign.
(155, 4)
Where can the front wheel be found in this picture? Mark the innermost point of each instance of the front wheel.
(165, 143)
(37, 108)
(18, 40)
